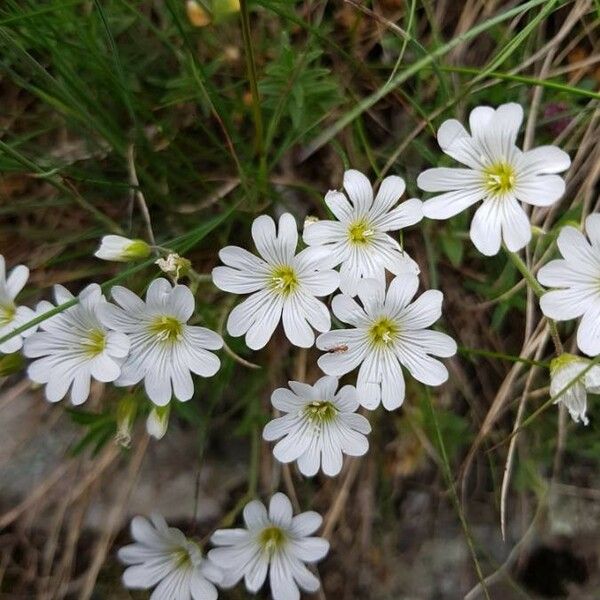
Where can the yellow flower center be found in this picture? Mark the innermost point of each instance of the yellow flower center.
(499, 178)
(320, 411)
(383, 332)
(95, 342)
(271, 539)
(167, 329)
(284, 280)
(359, 232)
(7, 313)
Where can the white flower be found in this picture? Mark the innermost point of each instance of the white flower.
(578, 274)
(358, 240)
(563, 370)
(388, 332)
(74, 346)
(283, 285)
(122, 249)
(275, 542)
(11, 315)
(163, 557)
(498, 173)
(319, 427)
(164, 349)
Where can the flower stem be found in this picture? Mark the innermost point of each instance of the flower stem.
(253, 80)
(538, 290)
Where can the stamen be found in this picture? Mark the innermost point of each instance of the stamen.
(167, 328)
(284, 280)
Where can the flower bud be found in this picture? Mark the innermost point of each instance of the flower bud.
(11, 364)
(563, 370)
(158, 421)
(122, 249)
(126, 412)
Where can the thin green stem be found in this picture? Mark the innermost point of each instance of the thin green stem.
(453, 493)
(256, 110)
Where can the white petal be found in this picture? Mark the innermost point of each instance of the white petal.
(450, 204)
(423, 368)
(508, 119)
(238, 282)
(146, 575)
(310, 460)
(561, 273)
(444, 179)
(368, 388)
(345, 350)
(256, 573)
(592, 227)
(229, 537)
(285, 400)
(295, 325)
(241, 259)
(400, 292)
(578, 251)
(288, 237)
(516, 229)
(540, 190)
(479, 120)
(331, 452)
(406, 214)
(306, 580)
(486, 228)
(306, 523)
(544, 159)
(201, 589)
(321, 283)
(563, 305)
(277, 428)
(81, 388)
(104, 368)
(588, 333)
(450, 131)
(16, 280)
(430, 342)
(158, 292)
(392, 383)
(424, 311)
(359, 190)
(324, 232)
(157, 385)
(255, 515)
(325, 387)
(348, 310)
(390, 191)
(183, 386)
(282, 583)
(265, 239)
(310, 549)
(280, 510)
(338, 204)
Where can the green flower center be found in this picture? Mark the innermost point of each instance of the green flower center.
(181, 558)
(95, 342)
(284, 280)
(499, 178)
(271, 538)
(360, 233)
(320, 411)
(7, 313)
(383, 332)
(167, 329)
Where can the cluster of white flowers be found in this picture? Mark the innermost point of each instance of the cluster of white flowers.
(388, 333)
(276, 543)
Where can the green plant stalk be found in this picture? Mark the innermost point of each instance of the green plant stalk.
(256, 110)
(538, 290)
(453, 493)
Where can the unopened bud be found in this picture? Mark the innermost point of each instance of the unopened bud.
(158, 421)
(11, 364)
(122, 249)
(126, 412)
